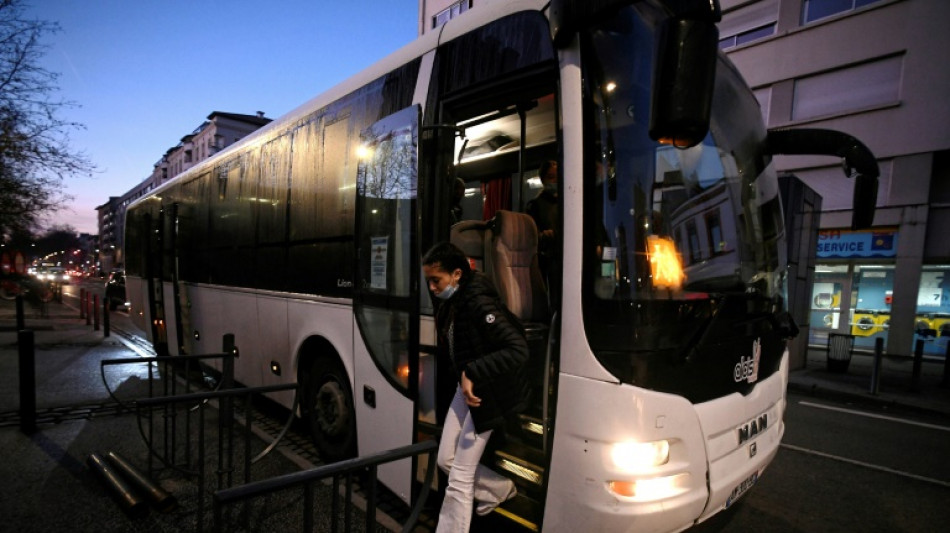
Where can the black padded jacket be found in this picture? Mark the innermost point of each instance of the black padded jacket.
(482, 338)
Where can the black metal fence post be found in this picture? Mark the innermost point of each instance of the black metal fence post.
(946, 367)
(226, 419)
(20, 315)
(27, 363)
(876, 367)
(95, 311)
(918, 361)
(105, 317)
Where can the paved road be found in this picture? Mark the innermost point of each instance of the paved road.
(851, 469)
(841, 467)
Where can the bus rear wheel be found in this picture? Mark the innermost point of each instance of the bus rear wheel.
(329, 410)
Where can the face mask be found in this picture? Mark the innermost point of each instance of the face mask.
(550, 187)
(447, 292)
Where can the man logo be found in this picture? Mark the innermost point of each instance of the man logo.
(753, 428)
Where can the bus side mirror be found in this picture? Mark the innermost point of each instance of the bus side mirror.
(857, 159)
(685, 57)
(684, 76)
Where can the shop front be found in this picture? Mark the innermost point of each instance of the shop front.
(854, 286)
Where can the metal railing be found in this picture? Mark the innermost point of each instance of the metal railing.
(168, 369)
(343, 470)
(176, 427)
(225, 450)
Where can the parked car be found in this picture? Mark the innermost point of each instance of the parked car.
(115, 291)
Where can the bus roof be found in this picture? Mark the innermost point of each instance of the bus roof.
(474, 18)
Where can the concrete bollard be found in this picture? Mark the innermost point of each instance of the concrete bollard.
(27, 363)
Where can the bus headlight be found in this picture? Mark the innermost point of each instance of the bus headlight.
(637, 456)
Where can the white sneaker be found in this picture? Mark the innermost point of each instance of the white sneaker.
(483, 508)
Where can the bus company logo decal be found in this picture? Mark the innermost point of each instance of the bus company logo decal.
(747, 369)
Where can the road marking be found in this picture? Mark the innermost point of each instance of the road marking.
(867, 465)
(874, 415)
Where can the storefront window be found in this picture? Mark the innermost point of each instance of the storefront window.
(830, 280)
(871, 296)
(851, 297)
(932, 324)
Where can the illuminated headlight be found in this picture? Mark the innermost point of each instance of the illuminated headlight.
(651, 489)
(638, 456)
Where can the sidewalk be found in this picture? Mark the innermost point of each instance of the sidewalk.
(45, 481)
(897, 389)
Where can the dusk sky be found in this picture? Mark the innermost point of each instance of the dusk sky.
(145, 73)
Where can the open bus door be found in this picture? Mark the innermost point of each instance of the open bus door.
(386, 341)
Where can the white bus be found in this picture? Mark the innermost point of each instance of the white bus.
(658, 386)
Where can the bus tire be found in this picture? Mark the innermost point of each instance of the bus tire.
(328, 410)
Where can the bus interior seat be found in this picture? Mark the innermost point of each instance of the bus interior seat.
(469, 236)
(511, 260)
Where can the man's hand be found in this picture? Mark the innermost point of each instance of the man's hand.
(468, 391)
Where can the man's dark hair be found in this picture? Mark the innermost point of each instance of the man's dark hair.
(448, 256)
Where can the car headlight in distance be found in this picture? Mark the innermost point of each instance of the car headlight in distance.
(638, 456)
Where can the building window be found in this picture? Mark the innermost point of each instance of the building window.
(850, 89)
(714, 233)
(451, 12)
(813, 10)
(932, 320)
(692, 236)
(749, 23)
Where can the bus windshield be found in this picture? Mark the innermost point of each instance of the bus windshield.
(683, 274)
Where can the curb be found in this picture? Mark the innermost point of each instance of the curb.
(866, 399)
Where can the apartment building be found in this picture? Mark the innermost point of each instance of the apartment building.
(218, 131)
(878, 70)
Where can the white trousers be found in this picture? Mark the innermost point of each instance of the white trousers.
(459, 451)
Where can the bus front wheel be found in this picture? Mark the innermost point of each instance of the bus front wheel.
(329, 410)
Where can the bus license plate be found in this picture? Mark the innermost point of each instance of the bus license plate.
(741, 489)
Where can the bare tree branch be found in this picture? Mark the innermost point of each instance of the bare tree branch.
(35, 151)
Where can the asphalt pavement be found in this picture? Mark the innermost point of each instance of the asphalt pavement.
(46, 483)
